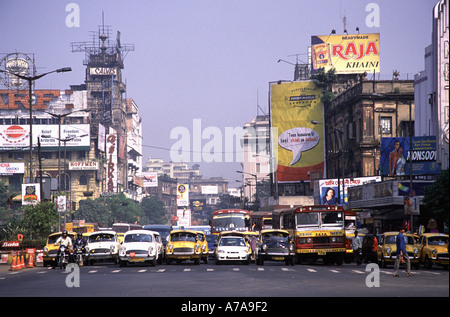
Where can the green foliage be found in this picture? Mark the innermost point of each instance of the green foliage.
(436, 197)
(154, 210)
(325, 80)
(40, 220)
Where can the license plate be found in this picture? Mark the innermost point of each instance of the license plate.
(136, 259)
(321, 252)
(277, 258)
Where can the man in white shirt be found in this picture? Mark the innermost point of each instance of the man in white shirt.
(356, 246)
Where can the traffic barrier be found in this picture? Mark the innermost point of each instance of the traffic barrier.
(14, 266)
(22, 264)
(30, 260)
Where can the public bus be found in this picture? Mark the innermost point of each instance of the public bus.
(231, 220)
(124, 227)
(318, 231)
(262, 220)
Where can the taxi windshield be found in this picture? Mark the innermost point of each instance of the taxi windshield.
(438, 240)
(183, 236)
(274, 238)
(138, 237)
(231, 241)
(101, 237)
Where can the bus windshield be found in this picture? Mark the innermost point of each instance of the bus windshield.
(319, 219)
(225, 222)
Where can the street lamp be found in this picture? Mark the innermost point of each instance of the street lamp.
(59, 116)
(256, 184)
(30, 80)
(342, 157)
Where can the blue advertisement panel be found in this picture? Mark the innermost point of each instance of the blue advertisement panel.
(395, 156)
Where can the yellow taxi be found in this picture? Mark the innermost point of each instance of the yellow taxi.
(184, 245)
(387, 248)
(201, 237)
(433, 249)
(120, 236)
(50, 249)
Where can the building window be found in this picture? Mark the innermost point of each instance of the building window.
(386, 125)
(83, 180)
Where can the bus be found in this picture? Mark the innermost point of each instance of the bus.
(318, 231)
(124, 227)
(262, 220)
(231, 220)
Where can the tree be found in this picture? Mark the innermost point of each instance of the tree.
(40, 220)
(325, 80)
(154, 210)
(436, 197)
(94, 210)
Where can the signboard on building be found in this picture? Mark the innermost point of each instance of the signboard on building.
(14, 136)
(328, 188)
(347, 53)
(299, 143)
(111, 157)
(182, 195)
(150, 179)
(210, 190)
(103, 71)
(7, 169)
(83, 166)
(395, 156)
(184, 217)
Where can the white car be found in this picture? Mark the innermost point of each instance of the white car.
(102, 246)
(141, 246)
(232, 248)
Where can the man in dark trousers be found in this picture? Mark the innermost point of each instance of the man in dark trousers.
(402, 255)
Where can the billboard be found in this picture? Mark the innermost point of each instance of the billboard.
(347, 53)
(17, 136)
(328, 188)
(31, 194)
(150, 179)
(299, 143)
(111, 158)
(182, 195)
(395, 156)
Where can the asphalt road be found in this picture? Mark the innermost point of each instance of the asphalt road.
(187, 281)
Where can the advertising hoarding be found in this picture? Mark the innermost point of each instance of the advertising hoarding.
(347, 53)
(17, 136)
(299, 143)
(328, 188)
(395, 156)
(182, 195)
(150, 179)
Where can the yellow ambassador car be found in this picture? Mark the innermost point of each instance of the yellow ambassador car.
(433, 249)
(387, 249)
(50, 249)
(185, 245)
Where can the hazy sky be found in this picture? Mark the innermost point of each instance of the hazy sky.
(207, 59)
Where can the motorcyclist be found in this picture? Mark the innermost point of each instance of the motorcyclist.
(64, 240)
(80, 242)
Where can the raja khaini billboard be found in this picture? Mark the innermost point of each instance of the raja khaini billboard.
(347, 53)
(297, 142)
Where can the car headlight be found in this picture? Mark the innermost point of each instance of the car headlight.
(309, 240)
(150, 250)
(45, 249)
(416, 251)
(291, 248)
(264, 247)
(196, 248)
(112, 249)
(434, 252)
(203, 248)
(220, 251)
(388, 250)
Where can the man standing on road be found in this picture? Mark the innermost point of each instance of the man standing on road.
(402, 254)
(356, 246)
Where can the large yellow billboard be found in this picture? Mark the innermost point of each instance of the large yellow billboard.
(297, 142)
(347, 53)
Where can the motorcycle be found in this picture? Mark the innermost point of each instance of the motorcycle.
(63, 258)
(79, 255)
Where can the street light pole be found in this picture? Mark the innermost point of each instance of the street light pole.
(30, 80)
(256, 185)
(341, 132)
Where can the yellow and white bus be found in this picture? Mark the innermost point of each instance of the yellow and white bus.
(318, 231)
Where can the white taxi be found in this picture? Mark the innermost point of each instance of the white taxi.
(102, 246)
(141, 246)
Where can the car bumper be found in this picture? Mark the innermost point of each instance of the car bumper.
(392, 258)
(102, 256)
(138, 258)
(275, 256)
(232, 257)
(184, 256)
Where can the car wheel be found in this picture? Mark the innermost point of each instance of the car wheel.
(428, 264)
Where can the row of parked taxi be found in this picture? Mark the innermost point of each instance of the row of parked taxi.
(428, 248)
(148, 246)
